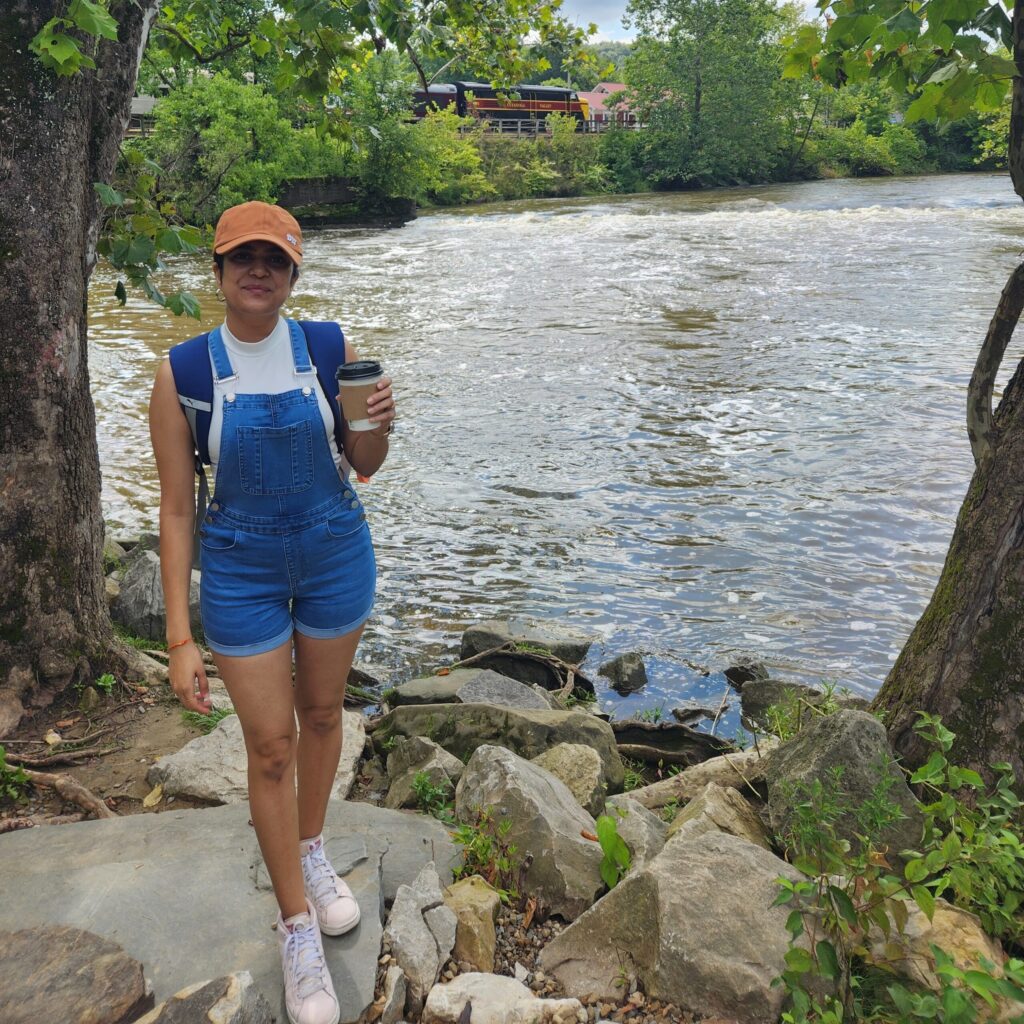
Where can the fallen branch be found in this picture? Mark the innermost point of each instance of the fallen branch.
(33, 820)
(63, 757)
(558, 667)
(70, 790)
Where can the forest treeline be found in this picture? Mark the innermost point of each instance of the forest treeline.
(705, 77)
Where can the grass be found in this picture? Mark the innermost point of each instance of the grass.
(653, 714)
(140, 643)
(633, 775)
(205, 723)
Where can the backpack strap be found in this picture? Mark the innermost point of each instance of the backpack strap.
(326, 343)
(193, 380)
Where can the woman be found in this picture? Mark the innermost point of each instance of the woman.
(288, 569)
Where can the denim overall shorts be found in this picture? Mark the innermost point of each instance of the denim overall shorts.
(285, 544)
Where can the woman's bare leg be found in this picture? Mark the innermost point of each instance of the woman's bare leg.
(260, 687)
(321, 672)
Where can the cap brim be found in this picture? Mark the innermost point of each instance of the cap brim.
(260, 236)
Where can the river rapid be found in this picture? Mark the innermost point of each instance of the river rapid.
(694, 425)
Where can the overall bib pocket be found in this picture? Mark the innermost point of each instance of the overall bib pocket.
(275, 460)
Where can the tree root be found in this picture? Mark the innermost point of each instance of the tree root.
(70, 790)
(34, 820)
(565, 675)
(63, 757)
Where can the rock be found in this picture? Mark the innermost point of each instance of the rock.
(717, 808)
(656, 741)
(733, 770)
(53, 973)
(362, 673)
(854, 743)
(435, 689)
(229, 1000)
(394, 996)
(553, 700)
(490, 688)
(461, 728)
(579, 768)
(743, 670)
(139, 607)
(956, 932)
(112, 588)
(561, 868)
(119, 876)
(475, 905)
(758, 695)
(421, 932)
(214, 767)
(495, 1000)
(626, 672)
(567, 644)
(415, 755)
(113, 554)
(642, 830)
(697, 928)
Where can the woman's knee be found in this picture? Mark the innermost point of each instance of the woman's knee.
(322, 719)
(272, 756)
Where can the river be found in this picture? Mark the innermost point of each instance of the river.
(694, 425)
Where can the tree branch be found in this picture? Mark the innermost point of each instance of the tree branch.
(70, 790)
(241, 40)
(979, 391)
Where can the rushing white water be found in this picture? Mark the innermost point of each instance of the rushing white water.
(695, 425)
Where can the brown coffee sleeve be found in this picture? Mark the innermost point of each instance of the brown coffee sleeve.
(353, 400)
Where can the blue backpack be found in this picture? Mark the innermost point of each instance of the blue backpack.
(193, 379)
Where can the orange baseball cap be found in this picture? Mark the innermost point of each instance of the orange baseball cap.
(258, 222)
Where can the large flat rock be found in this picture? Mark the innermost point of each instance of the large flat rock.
(186, 893)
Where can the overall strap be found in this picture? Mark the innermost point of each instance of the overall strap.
(300, 350)
(221, 361)
(327, 347)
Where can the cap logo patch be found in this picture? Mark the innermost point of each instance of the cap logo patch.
(292, 239)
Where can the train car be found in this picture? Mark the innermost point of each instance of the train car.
(523, 103)
(440, 96)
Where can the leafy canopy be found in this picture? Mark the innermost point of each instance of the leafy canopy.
(951, 54)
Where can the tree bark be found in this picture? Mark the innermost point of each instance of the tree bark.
(965, 658)
(58, 135)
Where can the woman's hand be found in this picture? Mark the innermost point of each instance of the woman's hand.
(380, 408)
(188, 679)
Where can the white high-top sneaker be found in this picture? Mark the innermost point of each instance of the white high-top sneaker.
(336, 907)
(308, 990)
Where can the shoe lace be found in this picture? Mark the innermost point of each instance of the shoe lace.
(305, 961)
(320, 877)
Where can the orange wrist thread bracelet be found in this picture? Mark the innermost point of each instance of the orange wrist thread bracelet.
(180, 643)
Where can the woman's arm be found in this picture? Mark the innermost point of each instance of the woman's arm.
(175, 464)
(366, 450)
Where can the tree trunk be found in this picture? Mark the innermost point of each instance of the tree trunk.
(59, 135)
(965, 658)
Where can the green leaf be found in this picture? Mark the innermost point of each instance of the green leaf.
(120, 293)
(93, 18)
(140, 250)
(844, 905)
(795, 924)
(799, 960)
(108, 196)
(828, 962)
(915, 871)
(169, 241)
(924, 899)
(905, 21)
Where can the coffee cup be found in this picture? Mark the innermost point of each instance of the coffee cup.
(357, 381)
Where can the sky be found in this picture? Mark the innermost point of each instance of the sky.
(607, 14)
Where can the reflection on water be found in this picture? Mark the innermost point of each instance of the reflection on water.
(691, 424)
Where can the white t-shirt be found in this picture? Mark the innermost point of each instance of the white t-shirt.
(265, 368)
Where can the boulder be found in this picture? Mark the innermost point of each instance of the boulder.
(743, 670)
(697, 928)
(627, 673)
(53, 973)
(563, 642)
(475, 905)
(852, 745)
(415, 754)
(718, 808)
(496, 1000)
(668, 742)
(560, 867)
(432, 689)
(233, 999)
(738, 771)
(139, 606)
(113, 554)
(758, 695)
(462, 728)
(579, 768)
(491, 688)
(956, 932)
(421, 932)
(362, 673)
(214, 767)
(642, 830)
(113, 590)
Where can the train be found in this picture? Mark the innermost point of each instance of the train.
(504, 110)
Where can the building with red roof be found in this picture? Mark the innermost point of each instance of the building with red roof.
(600, 113)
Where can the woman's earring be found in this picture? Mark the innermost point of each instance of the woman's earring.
(219, 294)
